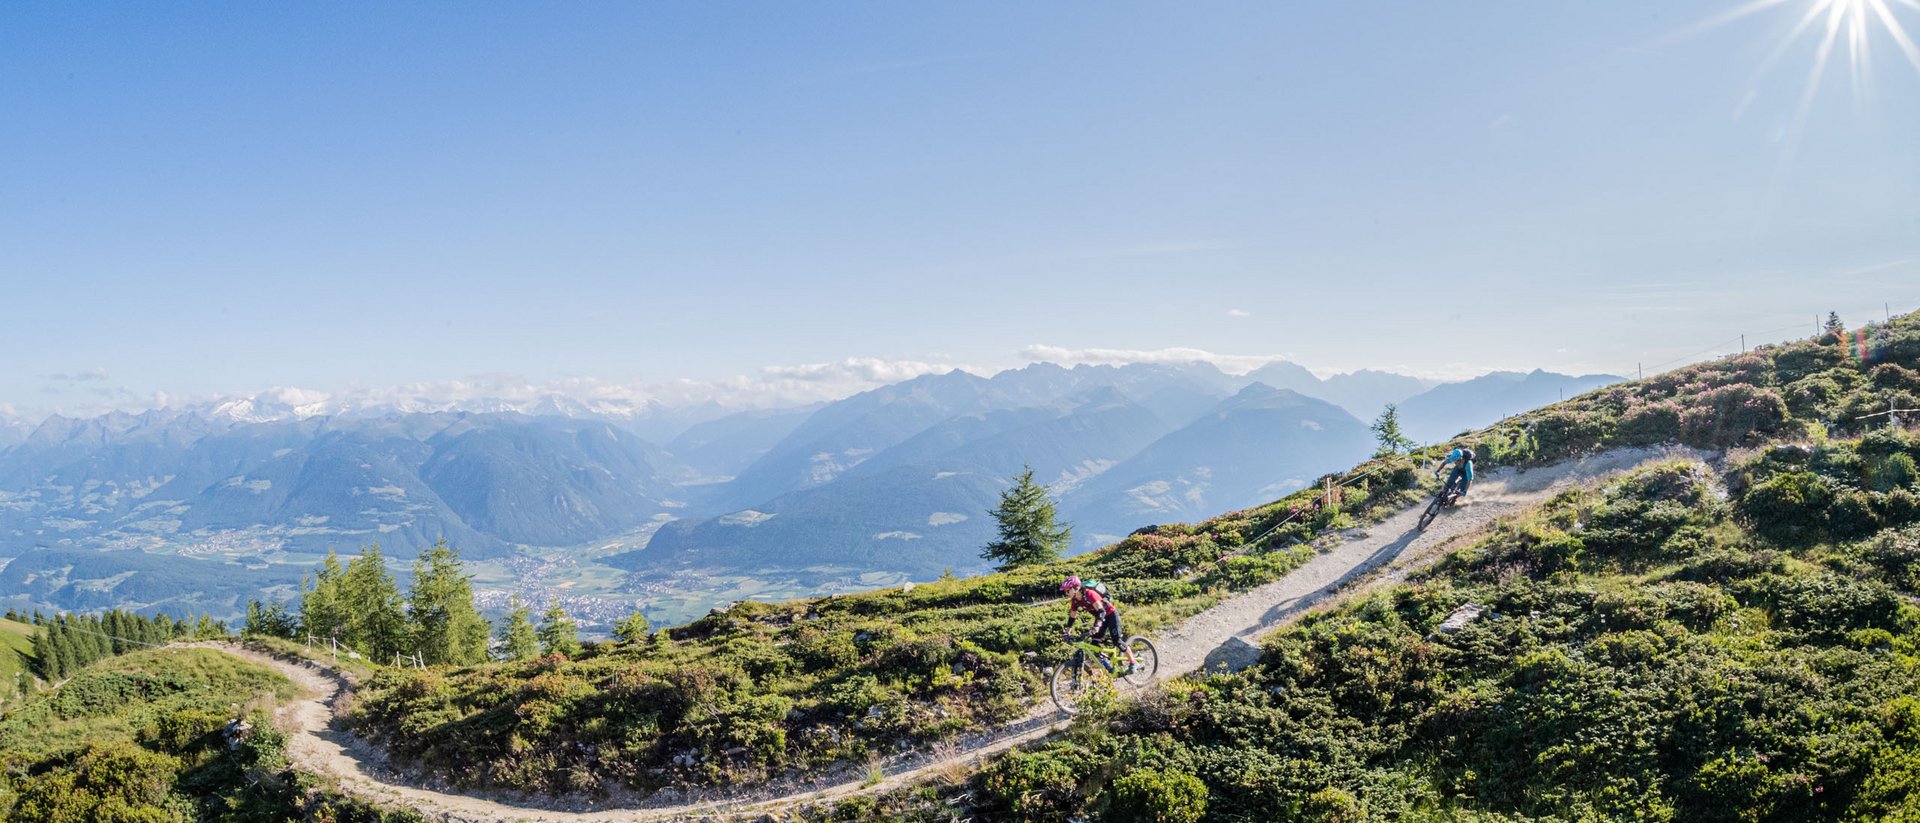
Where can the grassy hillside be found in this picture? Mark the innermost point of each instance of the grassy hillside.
(145, 736)
(16, 657)
(1678, 646)
(761, 689)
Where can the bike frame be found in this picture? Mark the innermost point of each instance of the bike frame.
(1082, 648)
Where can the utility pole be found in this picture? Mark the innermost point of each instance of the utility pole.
(1743, 344)
(1642, 371)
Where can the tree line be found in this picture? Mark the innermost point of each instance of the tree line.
(360, 605)
(66, 642)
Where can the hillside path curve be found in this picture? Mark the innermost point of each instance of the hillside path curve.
(1225, 636)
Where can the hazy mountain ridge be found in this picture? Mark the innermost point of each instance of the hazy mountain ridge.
(1254, 447)
(484, 482)
(1220, 450)
(1448, 409)
(895, 479)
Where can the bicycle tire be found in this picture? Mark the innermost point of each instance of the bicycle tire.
(1070, 680)
(1146, 661)
(1426, 517)
(1440, 501)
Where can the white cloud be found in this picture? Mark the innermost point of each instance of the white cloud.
(896, 536)
(945, 518)
(768, 387)
(1239, 313)
(1229, 363)
(83, 376)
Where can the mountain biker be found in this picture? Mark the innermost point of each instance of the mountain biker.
(1106, 616)
(1462, 471)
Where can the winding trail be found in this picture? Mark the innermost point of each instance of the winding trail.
(1223, 637)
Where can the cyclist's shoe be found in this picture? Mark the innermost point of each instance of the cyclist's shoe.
(1127, 670)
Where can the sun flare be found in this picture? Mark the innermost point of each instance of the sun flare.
(1849, 26)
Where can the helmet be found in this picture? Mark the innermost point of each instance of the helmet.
(1072, 582)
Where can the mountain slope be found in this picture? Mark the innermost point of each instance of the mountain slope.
(1256, 446)
(1446, 410)
(919, 507)
(722, 447)
(184, 481)
(1671, 597)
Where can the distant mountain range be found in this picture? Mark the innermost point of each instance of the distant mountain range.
(1447, 410)
(180, 481)
(895, 479)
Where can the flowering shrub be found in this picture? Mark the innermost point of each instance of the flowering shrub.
(1731, 415)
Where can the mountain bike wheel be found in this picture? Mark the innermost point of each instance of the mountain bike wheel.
(1146, 661)
(1433, 511)
(1070, 682)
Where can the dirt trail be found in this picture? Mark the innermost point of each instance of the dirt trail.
(1225, 636)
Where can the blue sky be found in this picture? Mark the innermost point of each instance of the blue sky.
(223, 197)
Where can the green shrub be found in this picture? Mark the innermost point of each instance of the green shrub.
(1331, 805)
(182, 731)
(1731, 415)
(1564, 433)
(1790, 507)
(122, 783)
(1040, 785)
(1154, 796)
(1646, 424)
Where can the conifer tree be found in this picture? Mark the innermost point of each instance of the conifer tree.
(447, 629)
(1386, 431)
(63, 648)
(116, 632)
(1834, 326)
(518, 641)
(371, 600)
(268, 620)
(558, 634)
(46, 659)
(633, 628)
(322, 611)
(207, 628)
(1028, 531)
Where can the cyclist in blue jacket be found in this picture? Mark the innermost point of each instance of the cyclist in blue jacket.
(1462, 458)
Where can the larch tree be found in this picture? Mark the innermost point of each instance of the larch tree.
(518, 640)
(558, 634)
(633, 628)
(1029, 531)
(322, 609)
(447, 628)
(376, 623)
(1386, 431)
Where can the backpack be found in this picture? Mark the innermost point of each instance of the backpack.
(1102, 589)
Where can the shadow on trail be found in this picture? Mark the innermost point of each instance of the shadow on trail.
(1239, 651)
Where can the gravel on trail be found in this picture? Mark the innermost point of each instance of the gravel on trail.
(1225, 636)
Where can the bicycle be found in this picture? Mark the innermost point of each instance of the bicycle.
(1448, 495)
(1092, 668)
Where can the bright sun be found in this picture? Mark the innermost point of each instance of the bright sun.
(1849, 25)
